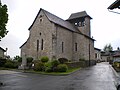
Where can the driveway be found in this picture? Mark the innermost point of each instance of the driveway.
(98, 77)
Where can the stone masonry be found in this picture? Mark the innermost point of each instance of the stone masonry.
(57, 38)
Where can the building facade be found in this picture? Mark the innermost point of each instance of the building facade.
(57, 38)
(97, 54)
(2, 52)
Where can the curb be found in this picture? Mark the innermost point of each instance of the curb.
(115, 73)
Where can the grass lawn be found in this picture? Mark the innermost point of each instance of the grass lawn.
(69, 71)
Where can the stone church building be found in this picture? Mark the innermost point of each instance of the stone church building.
(56, 38)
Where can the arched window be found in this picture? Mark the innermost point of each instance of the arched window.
(62, 47)
(42, 42)
(37, 45)
(75, 46)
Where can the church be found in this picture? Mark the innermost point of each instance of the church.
(56, 38)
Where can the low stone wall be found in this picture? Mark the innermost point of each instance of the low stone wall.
(81, 63)
(90, 63)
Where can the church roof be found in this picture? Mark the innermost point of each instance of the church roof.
(78, 15)
(53, 18)
(64, 23)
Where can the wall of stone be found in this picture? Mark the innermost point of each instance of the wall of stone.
(1, 53)
(66, 37)
(79, 53)
(40, 30)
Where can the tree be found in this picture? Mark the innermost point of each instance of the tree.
(3, 20)
(108, 48)
(17, 58)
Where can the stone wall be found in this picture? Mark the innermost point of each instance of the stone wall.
(64, 36)
(1, 53)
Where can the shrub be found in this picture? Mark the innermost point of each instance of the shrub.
(2, 62)
(29, 59)
(62, 68)
(62, 60)
(48, 64)
(9, 64)
(39, 66)
(44, 59)
(54, 63)
(18, 59)
(16, 64)
(48, 69)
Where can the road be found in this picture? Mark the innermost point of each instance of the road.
(98, 77)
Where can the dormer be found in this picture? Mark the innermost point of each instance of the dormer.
(81, 20)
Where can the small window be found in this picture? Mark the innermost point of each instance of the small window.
(75, 46)
(62, 47)
(40, 33)
(41, 20)
(42, 42)
(76, 24)
(37, 45)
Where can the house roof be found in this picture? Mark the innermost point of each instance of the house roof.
(53, 18)
(97, 49)
(2, 49)
(114, 5)
(78, 15)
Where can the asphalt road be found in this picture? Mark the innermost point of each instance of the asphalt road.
(98, 77)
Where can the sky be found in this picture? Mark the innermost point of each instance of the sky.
(104, 25)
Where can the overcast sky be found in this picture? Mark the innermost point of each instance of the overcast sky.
(104, 26)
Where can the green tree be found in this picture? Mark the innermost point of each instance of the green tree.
(108, 48)
(3, 20)
(18, 59)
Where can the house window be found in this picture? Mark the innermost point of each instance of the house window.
(75, 46)
(42, 44)
(62, 47)
(37, 45)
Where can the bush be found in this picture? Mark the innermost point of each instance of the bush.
(39, 66)
(29, 59)
(62, 60)
(9, 64)
(62, 68)
(48, 64)
(54, 63)
(44, 59)
(48, 69)
(2, 62)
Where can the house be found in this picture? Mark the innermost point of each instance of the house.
(97, 54)
(115, 5)
(2, 52)
(57, 38)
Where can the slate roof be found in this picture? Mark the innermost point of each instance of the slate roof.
(2, 49)
(114, 5)
(53, 18)
(78, 15)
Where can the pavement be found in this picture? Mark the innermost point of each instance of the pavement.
(99, 77)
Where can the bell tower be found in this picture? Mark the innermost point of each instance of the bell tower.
(81, 20)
